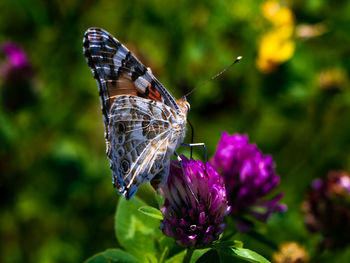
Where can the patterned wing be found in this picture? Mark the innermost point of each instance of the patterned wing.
(118, 72)
(144, 124)
(143, 135)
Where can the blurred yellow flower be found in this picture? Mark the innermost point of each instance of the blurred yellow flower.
(277, 14)
(290, 252)
(276, 45)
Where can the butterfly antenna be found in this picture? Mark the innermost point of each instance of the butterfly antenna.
(192, 136)
(214, 77)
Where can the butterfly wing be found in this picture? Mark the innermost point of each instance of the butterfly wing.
(144, 124)
(118, 72)
(143, 135)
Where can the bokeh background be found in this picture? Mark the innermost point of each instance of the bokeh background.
(290, 94)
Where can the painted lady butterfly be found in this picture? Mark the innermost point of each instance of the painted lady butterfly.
(144, 123)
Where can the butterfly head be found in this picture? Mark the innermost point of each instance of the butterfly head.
(184, 105)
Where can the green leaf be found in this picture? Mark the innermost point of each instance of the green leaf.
(136, 232)
(180, 256)
(210, 257)
(198, 253)
(151, 211)
(238, 244)
(177, 258)
(160, 199)
(245, 254)
(168, 244)
(112, 256)
(164, 255)
(227, 243)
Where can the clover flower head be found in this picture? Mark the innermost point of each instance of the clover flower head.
(248, 175)
(16, 65)
(195, 203)
(16, 56)
(327, 209)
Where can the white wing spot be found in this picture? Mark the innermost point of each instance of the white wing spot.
(141, 84)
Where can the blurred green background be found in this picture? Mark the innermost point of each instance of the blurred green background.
(290, 94)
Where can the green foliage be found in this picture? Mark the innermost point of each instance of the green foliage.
(112, 256)
(136, 232)
(180, 256)
(245, 254)
(151, 211)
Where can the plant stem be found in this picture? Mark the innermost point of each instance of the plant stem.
(188, 256)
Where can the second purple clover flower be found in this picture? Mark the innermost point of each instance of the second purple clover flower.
(249, 176)
(195, 204)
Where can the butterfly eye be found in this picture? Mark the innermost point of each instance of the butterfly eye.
(187, 106)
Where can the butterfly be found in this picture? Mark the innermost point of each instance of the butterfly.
(144, 123)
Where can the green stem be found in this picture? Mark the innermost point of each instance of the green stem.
(188, 255)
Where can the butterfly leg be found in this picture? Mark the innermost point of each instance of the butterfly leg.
(178, 157)
(197, 144)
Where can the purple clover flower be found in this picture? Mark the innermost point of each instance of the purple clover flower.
(249, 176)
(16, 64)
(15, 55)
(193, 217)
(16, 74)
(327, 209)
